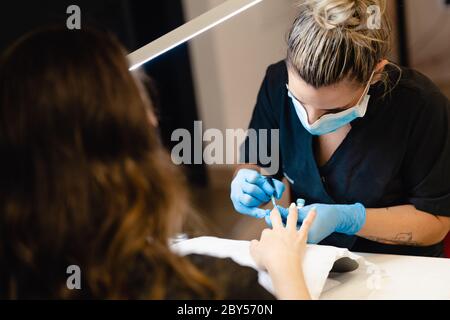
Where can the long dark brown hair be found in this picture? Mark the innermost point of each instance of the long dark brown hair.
(83, 178)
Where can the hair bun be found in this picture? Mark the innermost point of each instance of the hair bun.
(331, 14)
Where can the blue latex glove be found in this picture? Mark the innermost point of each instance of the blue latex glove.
(347, 219)
(283, 213)
(250, 189)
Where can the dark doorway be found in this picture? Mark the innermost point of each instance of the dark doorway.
(136, 23)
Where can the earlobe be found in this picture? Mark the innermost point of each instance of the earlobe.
(380, 66)
(378, 70)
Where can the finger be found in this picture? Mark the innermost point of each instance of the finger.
(267, 218)
(303, 212)
(283, 212)
(252, 212)
(292, 217)
(249, 201)
(261, 182)
(259, 213)
(276, 219)
(279, 188)
(307, 223)
(255, 191)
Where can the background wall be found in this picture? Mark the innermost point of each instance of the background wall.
(229, 61)
(428, 29)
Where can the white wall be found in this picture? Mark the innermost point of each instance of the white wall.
(428, 25)
(230, 60)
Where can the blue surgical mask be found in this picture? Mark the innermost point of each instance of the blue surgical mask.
(331, 122)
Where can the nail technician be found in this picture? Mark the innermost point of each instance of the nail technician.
(365, 142)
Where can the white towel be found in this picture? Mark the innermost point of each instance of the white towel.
(317, 264)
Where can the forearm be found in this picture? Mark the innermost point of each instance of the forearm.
(404, 225)
(289, 284)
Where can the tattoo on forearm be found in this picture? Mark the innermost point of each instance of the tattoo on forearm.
(402, 239)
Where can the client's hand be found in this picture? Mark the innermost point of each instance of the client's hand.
(341, 218)
(280, 251)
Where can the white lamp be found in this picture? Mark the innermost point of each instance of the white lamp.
(188, 31)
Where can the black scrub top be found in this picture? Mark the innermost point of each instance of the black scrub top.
(397, 154)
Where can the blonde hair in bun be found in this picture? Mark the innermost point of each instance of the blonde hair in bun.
(346, 14)
(335, 39)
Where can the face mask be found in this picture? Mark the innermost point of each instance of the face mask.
(331, 122)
